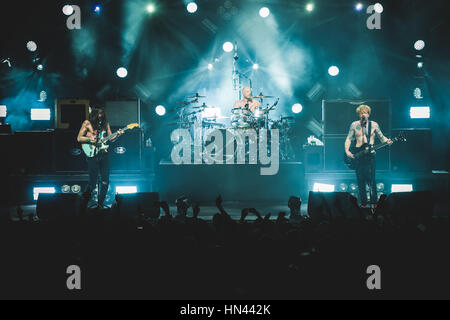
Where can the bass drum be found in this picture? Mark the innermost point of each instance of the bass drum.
(242, 118)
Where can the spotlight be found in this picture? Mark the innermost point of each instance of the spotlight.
(97, 9)
(343, 187)
(401, 188)
(419, 112)
(210, 66)
(353, 187)
(42, 96)
(264, 12)
(380, 186)
(126, 189)
(67, 10)
(419, 45)
(378, 7)
(122, 72)
(418, 93)
(160, 110)
(40, 67)
(333, 71)
(310, 7)
(76, 188)
(3, 111)
(297, 108)
(120, 150)
(65, 189)
(192, 7)
(322, 187)
(255, 66)
(40, 114)
(228, 46)
(38, 190)
(31, 46)
(359, 6)
(419, 65)
(151, 8)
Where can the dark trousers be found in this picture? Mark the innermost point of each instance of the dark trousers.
(98, 165)
(365, 174)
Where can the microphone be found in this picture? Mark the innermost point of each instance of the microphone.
(235, 51)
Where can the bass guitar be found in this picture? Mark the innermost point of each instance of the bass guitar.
(365, 149)
(92, 149)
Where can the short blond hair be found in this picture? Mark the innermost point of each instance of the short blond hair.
(363, 108)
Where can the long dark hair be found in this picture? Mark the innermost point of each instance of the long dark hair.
(95, 121)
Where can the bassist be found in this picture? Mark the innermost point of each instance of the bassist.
(91, 131)
(364, 131)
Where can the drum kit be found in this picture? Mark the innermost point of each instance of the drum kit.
(194, 116)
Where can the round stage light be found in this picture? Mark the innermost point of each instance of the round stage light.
(76, 188)
(378, 7)
(359, 6)
(160, 110)
(310, 7)
(297, 108)
(333, 71)
(97, 9)
(343, 187)
(380, 186)
(122, 72)
(419, 45)
(353, 187)
(418, 93)
(210, 66)
(65, 189)
(40, 67)
(151, 8)
(255, 66)
(31, 46)
(67, 9)
(264, 12)
(228, 46)
(192, 7)
(420, 65)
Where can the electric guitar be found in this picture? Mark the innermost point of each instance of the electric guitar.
(365, 149)
(92, 149)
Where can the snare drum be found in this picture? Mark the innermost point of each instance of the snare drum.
(242, 118)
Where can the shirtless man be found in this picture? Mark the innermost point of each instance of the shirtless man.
(98, 164)
(365, 168)
(247, 102)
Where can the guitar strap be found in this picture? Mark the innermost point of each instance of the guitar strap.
(367, 133)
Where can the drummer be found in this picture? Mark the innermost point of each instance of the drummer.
(247, 102)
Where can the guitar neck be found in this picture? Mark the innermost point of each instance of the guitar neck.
(112, 136)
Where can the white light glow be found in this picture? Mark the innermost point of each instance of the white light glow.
(297, 108)
(211, 112)
(419, 112)
(126, 189)
(255, 66)
(322, 187)
(31, 46)
(310, 7)
(210, 66)
(333, 71)
(402, 188)
(191, 7)
(122, 72)
(151, 8)
(419, 45)
(67, 10)
(160, 110)
(3, 111)
(264, 12)
(38, 190)
(378, 8)
(40, 114)
(228, 46)
(359, 6)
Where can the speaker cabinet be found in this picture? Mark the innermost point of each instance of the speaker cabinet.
(70, 113)
(57, 206)
(415, 154)
(123, 112)
(133, 205)
(32, 152)
(337, 115)
(409, 207)
(68, 153)
(125, 152)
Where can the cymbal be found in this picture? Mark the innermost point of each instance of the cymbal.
(262, 97)
(196, 96)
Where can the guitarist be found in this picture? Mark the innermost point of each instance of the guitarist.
(364, 131)
(91, 131)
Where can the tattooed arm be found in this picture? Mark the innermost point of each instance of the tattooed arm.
(380, 134)
(348, 140)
